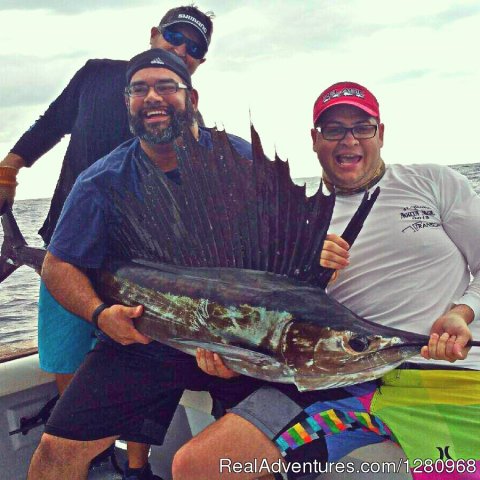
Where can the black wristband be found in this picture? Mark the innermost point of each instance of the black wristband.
(96, 313)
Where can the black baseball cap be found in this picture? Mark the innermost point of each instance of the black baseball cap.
(190, 16)
(158, 58)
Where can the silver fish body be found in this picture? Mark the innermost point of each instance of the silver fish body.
(263, 325)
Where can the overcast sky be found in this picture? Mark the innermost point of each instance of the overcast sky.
(270, 58)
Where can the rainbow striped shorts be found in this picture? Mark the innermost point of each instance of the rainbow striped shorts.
(320, 426)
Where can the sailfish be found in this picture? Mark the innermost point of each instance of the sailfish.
(228, 260)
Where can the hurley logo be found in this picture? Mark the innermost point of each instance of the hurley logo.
(444, 453)
(158, 60)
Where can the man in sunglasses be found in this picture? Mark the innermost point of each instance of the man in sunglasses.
(188, 37)
(415, 266)
(92, 111)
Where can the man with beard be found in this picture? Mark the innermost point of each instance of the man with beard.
(128, 385)
(91, 110)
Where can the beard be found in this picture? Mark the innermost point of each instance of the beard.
(155, 134)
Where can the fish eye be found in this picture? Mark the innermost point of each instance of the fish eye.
(359, 343)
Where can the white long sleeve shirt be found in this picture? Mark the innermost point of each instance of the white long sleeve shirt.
(417, 254)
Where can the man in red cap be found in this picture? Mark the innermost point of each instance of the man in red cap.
(410, 269)
(416, 266)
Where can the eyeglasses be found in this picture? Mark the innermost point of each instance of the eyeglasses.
(194, 49)
(359, 132)
(162, 87)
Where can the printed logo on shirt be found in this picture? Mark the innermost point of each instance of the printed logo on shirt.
(419, 217)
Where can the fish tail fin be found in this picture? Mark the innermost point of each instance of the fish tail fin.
(12, 241)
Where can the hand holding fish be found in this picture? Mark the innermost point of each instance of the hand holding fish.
(335, 252)
(116, 321)
(449, 335)
(212, 364)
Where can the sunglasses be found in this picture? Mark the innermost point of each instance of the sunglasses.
(177, 38)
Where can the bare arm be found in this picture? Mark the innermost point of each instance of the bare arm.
(72, 289)
(13, 160)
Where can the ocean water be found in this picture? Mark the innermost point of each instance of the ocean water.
(19, 292)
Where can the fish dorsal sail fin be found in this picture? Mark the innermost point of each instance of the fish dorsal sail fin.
(226, 212)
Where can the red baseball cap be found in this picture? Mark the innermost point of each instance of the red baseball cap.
(349, 93)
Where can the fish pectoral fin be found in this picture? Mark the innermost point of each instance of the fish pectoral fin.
(230, 352)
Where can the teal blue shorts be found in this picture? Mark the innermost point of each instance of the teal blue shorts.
(63, 338)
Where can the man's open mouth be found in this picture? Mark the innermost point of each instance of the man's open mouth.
(156, 114)
(348, 159)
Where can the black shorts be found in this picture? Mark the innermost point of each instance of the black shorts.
(119, 392)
